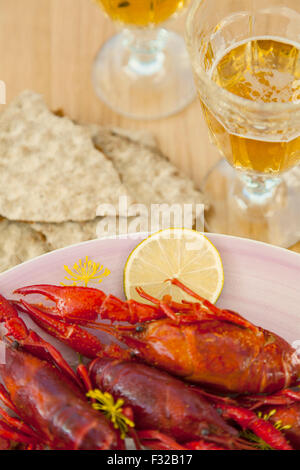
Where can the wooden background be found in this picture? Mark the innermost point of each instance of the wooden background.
(49, 46)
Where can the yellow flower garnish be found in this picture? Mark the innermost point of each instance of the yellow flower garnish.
(278, 424)
(258, 441)
(112, 410)
(265, 416)
(84, 272)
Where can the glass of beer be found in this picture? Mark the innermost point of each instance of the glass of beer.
(246, 61)
(144, 71)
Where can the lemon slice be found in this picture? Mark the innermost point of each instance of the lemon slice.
(174, 253)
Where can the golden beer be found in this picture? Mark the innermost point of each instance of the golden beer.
(264, 71)
(141, 12)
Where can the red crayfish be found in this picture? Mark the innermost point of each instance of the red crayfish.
(196, 341)
(47, 395)
(49, 400)
(160, 401)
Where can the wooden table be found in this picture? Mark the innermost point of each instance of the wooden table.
(49, 45)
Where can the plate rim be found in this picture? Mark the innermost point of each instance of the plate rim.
(138, 235)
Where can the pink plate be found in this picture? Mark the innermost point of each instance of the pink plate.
(262, 282)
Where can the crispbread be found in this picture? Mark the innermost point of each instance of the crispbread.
(148, 175)
(144, 138)
(18, 243)
(117, 142)
(49, 168)
(55, 177)
(67, 233)
(70, 233)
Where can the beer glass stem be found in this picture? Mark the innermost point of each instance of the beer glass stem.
(144, 73)
(146, 50)
(259, 189)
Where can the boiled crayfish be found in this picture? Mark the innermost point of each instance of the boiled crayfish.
(49, 397)
(163, 402)
(157, 420)
(194, 340)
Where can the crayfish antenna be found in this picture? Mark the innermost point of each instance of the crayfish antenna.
(283, 397)
(163, 305)
(213, 311)
(146, 296)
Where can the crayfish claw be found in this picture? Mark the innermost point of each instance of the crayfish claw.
(78, 303)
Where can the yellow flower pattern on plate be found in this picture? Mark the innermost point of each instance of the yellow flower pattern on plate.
(84, 272)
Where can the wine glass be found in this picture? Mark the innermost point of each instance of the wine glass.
(246, 61)
(144, 71)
